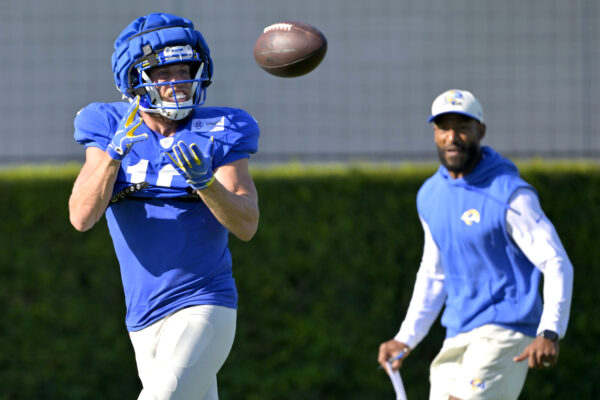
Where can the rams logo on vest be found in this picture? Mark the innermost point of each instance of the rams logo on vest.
(470, 216)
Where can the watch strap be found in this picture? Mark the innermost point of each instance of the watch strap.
(548, 334)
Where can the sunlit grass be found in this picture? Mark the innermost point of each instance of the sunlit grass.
(298, 169)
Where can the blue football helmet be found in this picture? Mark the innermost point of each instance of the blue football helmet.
(157, 40)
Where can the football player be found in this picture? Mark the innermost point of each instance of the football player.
(172, 179)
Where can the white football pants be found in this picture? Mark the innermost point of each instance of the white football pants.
(179, 356)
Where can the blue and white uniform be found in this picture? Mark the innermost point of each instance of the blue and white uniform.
(487, 244)
(172, 251)
(501, 283)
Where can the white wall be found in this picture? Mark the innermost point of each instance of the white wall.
(535, 66)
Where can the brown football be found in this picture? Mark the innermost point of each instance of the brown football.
(289, 49)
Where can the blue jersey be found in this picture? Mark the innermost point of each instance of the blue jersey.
(172, 251)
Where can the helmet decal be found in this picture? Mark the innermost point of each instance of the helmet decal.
(157, 40)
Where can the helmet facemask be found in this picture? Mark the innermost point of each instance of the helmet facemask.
(150, 98)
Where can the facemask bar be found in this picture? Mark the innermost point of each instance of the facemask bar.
(152, 102)
(155, 101)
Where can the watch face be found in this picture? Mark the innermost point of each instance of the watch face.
(547, 334)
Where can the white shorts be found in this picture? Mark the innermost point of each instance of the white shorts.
(479, 365)
(179, 356)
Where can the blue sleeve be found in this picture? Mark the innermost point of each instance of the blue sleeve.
(241, 139)
(95, 125)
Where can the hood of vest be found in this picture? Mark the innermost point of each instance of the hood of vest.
(491, 164)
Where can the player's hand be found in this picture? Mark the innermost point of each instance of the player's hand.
(541, 353)
(390, 350)
(193, 164)
(124, 136)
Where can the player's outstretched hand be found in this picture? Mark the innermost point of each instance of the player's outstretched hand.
(124, 137)
(193, 164)
(541, 353)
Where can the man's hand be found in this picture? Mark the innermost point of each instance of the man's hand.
(389, 351)
(541, 353)
(124, 137)
(194, 165)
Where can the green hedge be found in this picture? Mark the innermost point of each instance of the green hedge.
(326, 279)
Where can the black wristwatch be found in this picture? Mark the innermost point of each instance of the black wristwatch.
(548, 334)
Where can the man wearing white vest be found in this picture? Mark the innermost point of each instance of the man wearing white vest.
(487, 245)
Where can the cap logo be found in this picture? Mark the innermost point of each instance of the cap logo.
(454, 97)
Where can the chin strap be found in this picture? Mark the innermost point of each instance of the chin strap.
(173, 114)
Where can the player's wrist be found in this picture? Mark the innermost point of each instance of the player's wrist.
(550, 335)
(114, 154)
(201, 185)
